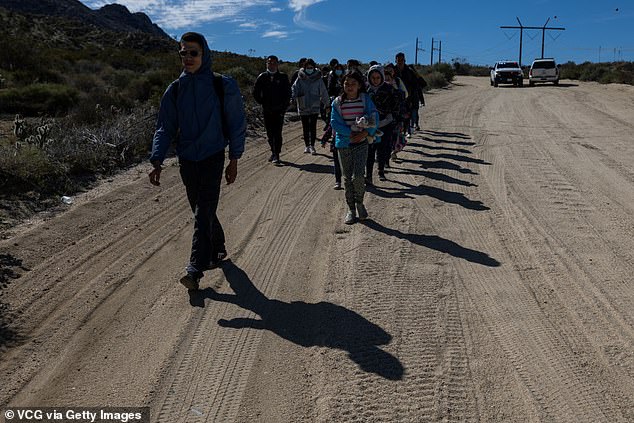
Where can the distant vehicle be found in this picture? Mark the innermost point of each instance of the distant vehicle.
(507, 72)
(543, 70)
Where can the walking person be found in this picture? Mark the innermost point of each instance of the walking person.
(387, 102)
(411, 80)
(206, 111)
(398, 140)
(309, 91)
(335, 89)
(272, 90)
(348, 110)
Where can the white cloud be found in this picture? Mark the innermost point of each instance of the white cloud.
(298, 5)
(248, 25)
(300, 18)
(176, 14)
(276, 9)
(275, 34)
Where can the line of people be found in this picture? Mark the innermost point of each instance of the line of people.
(204, 113)
(368, 117)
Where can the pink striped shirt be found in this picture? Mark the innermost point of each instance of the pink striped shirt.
(351, 110)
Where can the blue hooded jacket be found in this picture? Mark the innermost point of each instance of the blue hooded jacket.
(196, 113)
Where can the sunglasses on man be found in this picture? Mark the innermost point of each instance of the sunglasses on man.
(185, 53)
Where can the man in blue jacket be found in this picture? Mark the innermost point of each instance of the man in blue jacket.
(192, 111)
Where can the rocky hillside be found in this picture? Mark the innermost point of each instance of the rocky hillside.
(113, 17)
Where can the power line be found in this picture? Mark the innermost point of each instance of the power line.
(522, 28)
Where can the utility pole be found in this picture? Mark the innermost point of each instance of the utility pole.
(522, 28)
(417, 50)
(435, 49)
(440, 51)
(544, 28)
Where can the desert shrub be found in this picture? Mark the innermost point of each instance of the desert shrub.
(242, 76)
(51, 99)
(27, 167)
(87, 82)
(139, 89)
(435, 79)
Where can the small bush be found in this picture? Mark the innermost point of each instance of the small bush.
(50, 99)
(435, 79)
(242, 76)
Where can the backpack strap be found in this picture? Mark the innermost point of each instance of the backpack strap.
(219, 87)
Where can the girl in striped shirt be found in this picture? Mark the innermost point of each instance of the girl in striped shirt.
(351, 140)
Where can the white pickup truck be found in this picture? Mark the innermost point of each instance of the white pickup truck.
(507, 72)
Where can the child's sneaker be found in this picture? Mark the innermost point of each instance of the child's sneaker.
(337, 185)
(307, 150)
(382, 177)
(312, 150)
(350, 217)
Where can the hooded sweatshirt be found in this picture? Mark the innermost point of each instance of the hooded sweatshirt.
(195, 111)
(310, 92)
(385, 97)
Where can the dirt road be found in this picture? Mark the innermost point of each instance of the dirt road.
(493, 282)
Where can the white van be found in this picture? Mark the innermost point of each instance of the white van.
(543, 70)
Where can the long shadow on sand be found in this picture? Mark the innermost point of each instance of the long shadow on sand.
(409, 191)
(447, 134)
(311, 167)
(307, 324)
(433, 175)
(437, 243)
(438, 164)
(455, 157)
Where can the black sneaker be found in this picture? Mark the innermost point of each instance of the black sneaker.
(191, 280)
(217, 259)
(382, 176)
(272, 158)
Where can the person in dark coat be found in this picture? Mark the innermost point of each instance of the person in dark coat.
(272, 90)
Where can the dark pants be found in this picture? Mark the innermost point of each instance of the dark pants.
(202, 182)
(335, 157)
(273, 122)
(380, 151)
(309, 125)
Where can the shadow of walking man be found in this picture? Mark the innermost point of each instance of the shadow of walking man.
(322, 324)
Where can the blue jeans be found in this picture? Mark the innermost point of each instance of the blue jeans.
(202, 182)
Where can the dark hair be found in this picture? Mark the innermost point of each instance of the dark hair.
(353, 62)
(333, 62)
(356, 75)
(302, 61)
(310, 62)
(272, 57)
(400, 54)
(373, 62)
(193, 37)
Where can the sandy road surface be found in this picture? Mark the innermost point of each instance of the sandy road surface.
(493, 282)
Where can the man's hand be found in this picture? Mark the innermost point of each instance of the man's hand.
(232, 171)
(357, 137)
(155, 176)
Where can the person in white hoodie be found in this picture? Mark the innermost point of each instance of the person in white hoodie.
(310, 93)
(386, 98)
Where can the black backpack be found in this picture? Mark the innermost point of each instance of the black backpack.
(220, 92)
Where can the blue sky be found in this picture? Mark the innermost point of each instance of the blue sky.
(376, 30)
